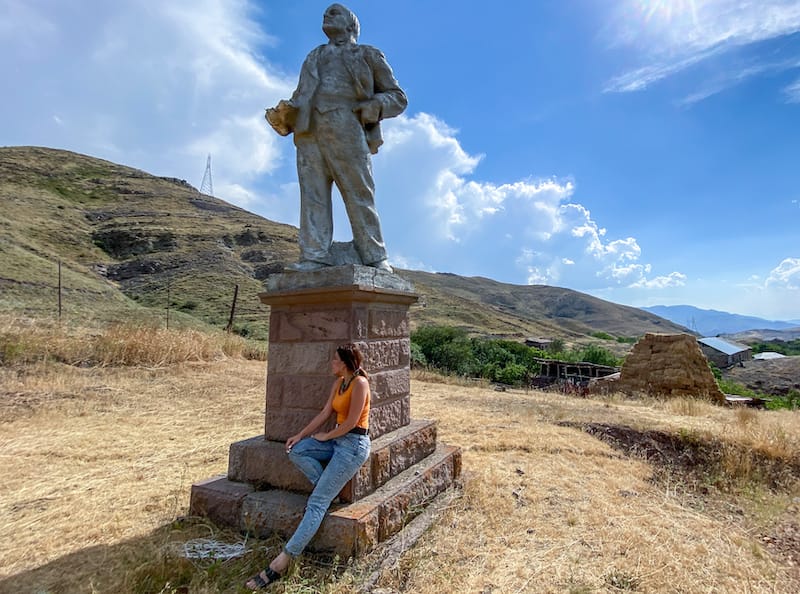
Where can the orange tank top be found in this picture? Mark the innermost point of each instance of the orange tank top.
(341, 404)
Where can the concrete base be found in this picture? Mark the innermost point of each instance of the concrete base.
(347, 530)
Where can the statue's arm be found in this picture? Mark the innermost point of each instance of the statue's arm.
(387, 90)
(292, 115)
(308, 79)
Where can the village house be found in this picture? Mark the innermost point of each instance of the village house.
(724, 353)
(538, 343)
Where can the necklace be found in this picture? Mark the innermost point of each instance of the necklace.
(345, 384)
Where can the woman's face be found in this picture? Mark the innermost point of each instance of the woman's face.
(337, 365)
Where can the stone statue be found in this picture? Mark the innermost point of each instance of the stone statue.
(344, 91)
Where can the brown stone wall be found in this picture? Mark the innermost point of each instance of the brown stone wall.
(669, 365)
(306, 328)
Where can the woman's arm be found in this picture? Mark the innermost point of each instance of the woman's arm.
(358, 400)
(317, 421)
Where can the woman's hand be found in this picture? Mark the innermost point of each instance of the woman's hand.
(291, 441)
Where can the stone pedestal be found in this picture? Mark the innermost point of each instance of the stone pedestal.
(311, 314)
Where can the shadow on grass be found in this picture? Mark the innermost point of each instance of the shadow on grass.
(151, 563)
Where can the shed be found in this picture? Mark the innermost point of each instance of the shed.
(538, 343)
(724, 353)
(576, 372)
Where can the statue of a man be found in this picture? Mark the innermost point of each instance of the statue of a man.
(344, 91)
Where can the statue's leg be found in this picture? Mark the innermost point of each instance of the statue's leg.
(316, 209)
(351, 167)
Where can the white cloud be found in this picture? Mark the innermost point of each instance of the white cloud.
(153, 85)
(786, 275)
(423, 161)
(674, 36)
(641, 78)
(792, 92)
(462, 223)
(674, 279)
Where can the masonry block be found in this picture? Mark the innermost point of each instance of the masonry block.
(330, 325)
(388, 353)
(298, 391)
(349, 530)
(386, 417)
(388, 323)
(264, 463)
(300, 357)
(220, 499)
(389, 385)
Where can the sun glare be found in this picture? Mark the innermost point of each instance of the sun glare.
(667, 11)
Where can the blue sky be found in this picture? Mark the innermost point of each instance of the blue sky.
(641, 151)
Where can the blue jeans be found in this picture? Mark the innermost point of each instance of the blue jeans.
(344, 456)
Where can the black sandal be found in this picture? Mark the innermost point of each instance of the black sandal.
(271, 575)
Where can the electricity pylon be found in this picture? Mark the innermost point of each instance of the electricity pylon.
(207, 187)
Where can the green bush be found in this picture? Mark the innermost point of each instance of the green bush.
(455, 357)
(450, 351)
(418, 358)
(513, 374)
(598, 355)
(791, 401)
(715, 372)
(788, 348)
(602, 335)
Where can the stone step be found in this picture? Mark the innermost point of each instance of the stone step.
(348, 529)
(352, 529)
(264, 463)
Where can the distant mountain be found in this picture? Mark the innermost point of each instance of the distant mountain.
(129, 246)
(710, 322)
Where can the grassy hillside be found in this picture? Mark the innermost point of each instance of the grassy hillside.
(130, 244)
(134, 246)
(478, 303)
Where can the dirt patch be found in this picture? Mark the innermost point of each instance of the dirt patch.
(773, 376)
(703, 461)
(784, 541)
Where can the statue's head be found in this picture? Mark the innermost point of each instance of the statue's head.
(340, 19)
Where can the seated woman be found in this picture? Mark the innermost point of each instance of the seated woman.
(328, 459)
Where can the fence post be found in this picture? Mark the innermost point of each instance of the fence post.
(59, 291)
(168, 299)
(229, 327)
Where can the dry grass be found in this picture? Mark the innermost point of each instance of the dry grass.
(551, 509)
(27, 340)
(93, 457)
(97, 464)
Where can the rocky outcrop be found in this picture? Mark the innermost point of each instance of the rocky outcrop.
(669, 365)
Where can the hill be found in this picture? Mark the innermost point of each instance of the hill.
(710, 322)
(136, 246)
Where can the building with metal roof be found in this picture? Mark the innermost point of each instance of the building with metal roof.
(767, 356)
(724, 353)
